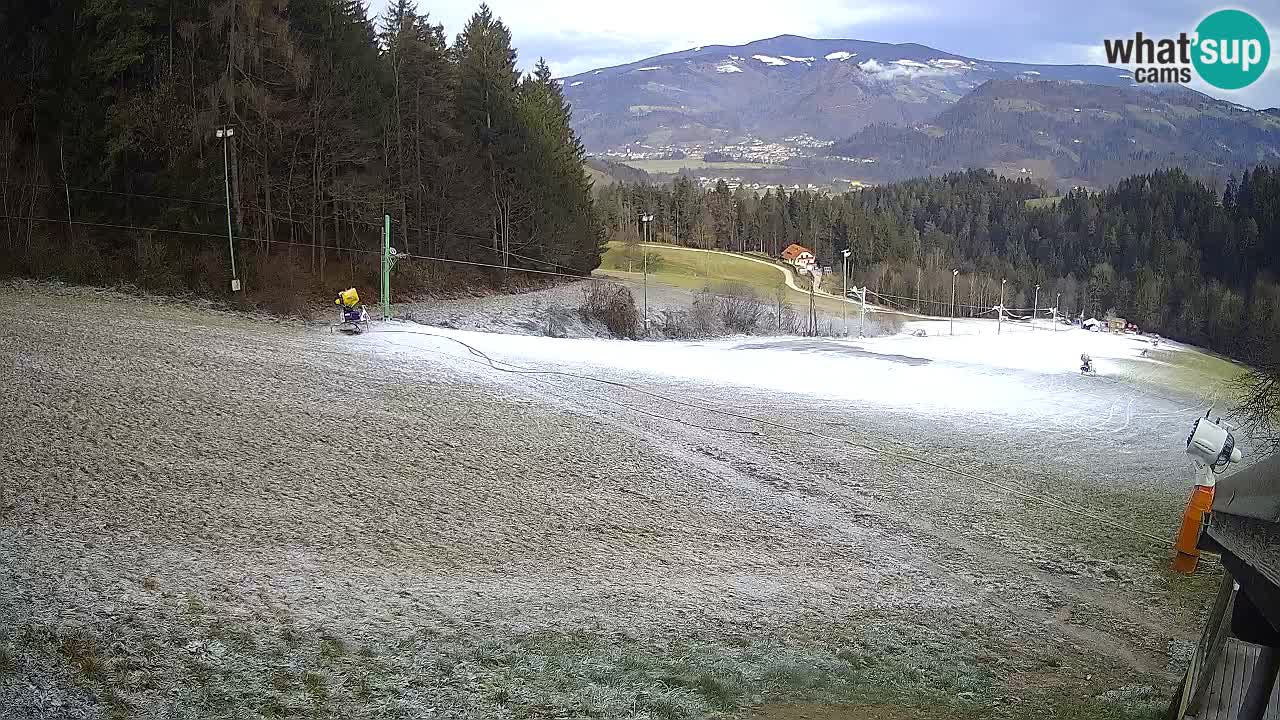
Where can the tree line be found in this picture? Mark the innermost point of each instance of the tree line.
(1163, 250)
(113, 169)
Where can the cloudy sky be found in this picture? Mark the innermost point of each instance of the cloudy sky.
(578, 35)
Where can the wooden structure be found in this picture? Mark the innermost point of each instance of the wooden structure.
(1233, 671)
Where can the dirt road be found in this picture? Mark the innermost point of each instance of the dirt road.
(206, 515)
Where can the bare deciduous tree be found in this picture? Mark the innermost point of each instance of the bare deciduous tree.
(1258, 411)
(740, 308)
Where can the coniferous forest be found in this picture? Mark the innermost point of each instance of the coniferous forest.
(111, 168)
(1161, 250)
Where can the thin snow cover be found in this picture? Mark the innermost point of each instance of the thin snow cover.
(840, 55)
(1029, 72)
(597, 72)
(652, 67)
(949, 63)
(734, 57)
(1005, 374)
(727, 67)
(792, 58)
(575, 84)
(910, 63)
(769, 60)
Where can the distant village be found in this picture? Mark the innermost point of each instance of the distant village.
(750, 149)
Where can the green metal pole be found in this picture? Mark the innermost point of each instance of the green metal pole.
(386, 267)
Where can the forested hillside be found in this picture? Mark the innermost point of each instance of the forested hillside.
(1162, 249)
(112, 169)
(1073, 134)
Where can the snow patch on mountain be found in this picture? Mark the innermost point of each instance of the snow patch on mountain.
(949, 63)
(727, 67)
(910, 63)
(653, 67)
(769, 60)
(1029, 72)
(840, 55)
(793, 58)
(575, 84)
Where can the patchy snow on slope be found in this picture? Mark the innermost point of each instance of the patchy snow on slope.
(652, 67)
(728, 67)
(950, 64)
(965, 373)
(910, 63)
(1029, 72)
(575, 84)
(769, 60)
(793, 58)
(840, 55)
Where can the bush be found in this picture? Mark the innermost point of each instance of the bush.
(740, 308)
(704, 316)
(611, 304)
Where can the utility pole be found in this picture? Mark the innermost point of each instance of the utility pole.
(954, 273)
(1035, 309)
(226, 134)
(844, 307)
(813, 312)
(1057, 303)
(645, 219)
(1000, 308)
(862, 331)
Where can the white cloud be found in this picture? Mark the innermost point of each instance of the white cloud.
(587, 34)
(900, 68)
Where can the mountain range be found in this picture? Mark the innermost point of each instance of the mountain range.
(856, 110)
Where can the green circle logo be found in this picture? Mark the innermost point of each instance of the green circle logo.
(1232, 49)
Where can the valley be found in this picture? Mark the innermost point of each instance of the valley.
(838, 114)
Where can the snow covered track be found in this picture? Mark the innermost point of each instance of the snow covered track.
(207, 511)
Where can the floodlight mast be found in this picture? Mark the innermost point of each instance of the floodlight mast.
(225, 134)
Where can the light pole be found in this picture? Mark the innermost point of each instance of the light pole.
(1057, 304)
(645, 219)
(844, 307)
(954, 273)
(1000, 308)
(1035, 309)
(226, 133)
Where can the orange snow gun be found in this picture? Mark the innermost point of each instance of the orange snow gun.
(348, 298)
